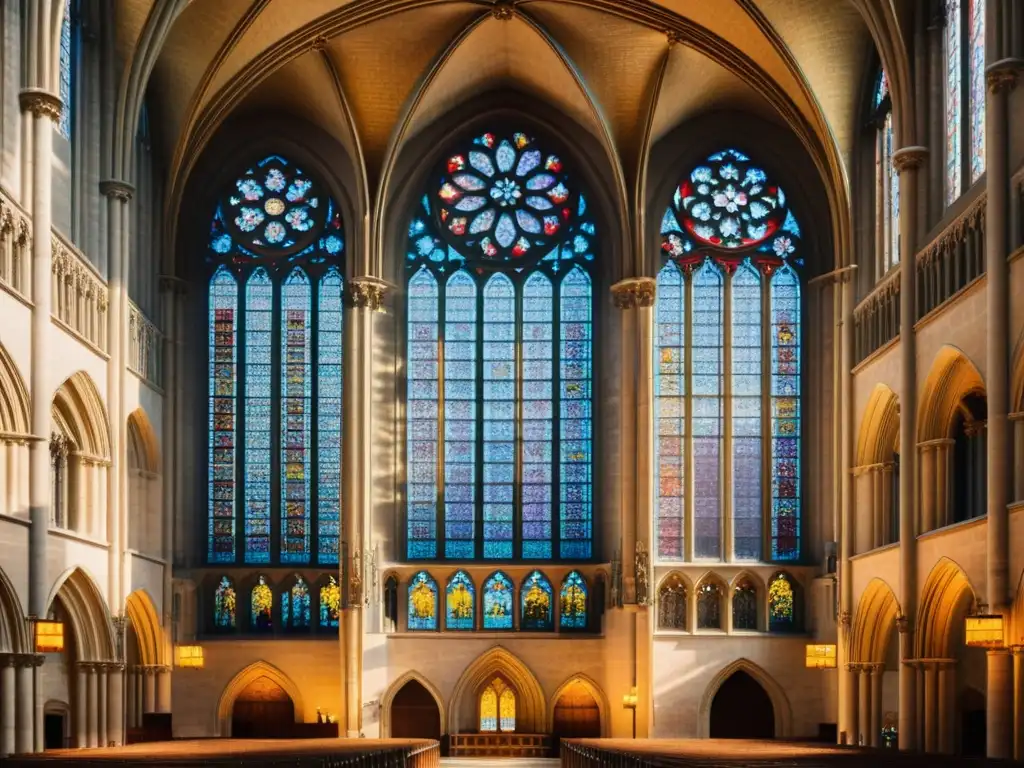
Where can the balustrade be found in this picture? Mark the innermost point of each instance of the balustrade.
(15, 248)
(79, 295)
(145, 347)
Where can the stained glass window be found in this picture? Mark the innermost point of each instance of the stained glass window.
(709, 606)
(573, 602)
(261, 605)
(295, 606)
(66, 71)
(672, 608)
(497, 708)
(460, 602)
(887, 191)
(507, 711)
(535, 596)
(785, 409)
(954, 63)
(781, 608)
(489, 710)
(730, 242)
(422, 603)
(881, 89)
(976, 74)
(744, 606)
(224, 604)
(500, 359)
(275, 234)
(498, 596)
(330, 604)
(223, 377)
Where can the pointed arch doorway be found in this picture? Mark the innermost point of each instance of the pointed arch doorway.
(263, 710)
(414, 713)
(576, 714)
(742, 709)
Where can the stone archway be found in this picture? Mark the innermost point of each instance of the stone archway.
(263, 710)
(578, 710)
(782, 714)
(497, 662)
(241, 682)
(874, 623)
(407, 698)
(741, 709)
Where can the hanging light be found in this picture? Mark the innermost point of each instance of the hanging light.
(188, 656)
(984, 631)
(629, 699)
(821, 657)
(48, 635)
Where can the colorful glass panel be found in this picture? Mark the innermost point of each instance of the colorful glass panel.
(744, 607)
(296, 416)
(954, 129)
(890, 190)
(781, 608)
(709, 606)
(223, 382)
(66, 65)
(672, 608)
(535, 597)
(499, 413)
(573, 602)
(670, 411)
(259, 318)
(785, 413)
(295, 606)
(881, 88)
(497, 611)
(460, 412)
(422, 603)
(329, 410)
(330, 604)
(422, 414)
(489, 710)
(706, 388)
(262, 605)
(746, 413)
(224, 604)
(575, 416)
(507, 711)
(460, 602)
(976, 75)
(537, 416)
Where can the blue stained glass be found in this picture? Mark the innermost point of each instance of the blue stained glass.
(422, 415)
(497, 609)
(881, 88)
(499, 436)
(954, 128)
(259, 295)
(976, 66)
(573, 602)
(670, 413)
(422, 614)
(223, 382)
(706, 388)
(295, 612)
(575, 383)
(891, 190)
(66, 64)
(460, 602)
(535, 598)
(225, 604)
(460, 403)
(296, 416)
(785, 405)
(537, 416)
(329, 415)
(746, 412)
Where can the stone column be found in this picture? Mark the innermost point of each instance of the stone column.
(115, 703)
(92, 728)
(877, 670)
(140, 695)
(36, 661)
(24, 740)
(8, 705)
(864, 698)
(1000, 692)
(80, 714)
(1018, 703)
(101, 705)
(947, 690)
(845, 298)
(907, 161)
(930, 706)
(877, 507)
(848, 702)
(1018, 455)
(163, 689)
(927, 451)
(148, 689)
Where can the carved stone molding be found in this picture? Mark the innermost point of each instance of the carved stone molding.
(1002, 75)
(902, 624)
(41, 103)
(355, 580)
(119, 190)
(634, 292)
(368, 292)
(674, 37)
(504, 10)
(909, 158)
(319, 43)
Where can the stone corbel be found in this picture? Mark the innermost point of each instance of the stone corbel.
(634, 292)
(909, 158)
(41, 103)
(1002, 75)
(368, 292)
(116, 189)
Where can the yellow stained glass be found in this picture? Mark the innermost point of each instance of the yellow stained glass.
(489, 710)
(460, 602)
(422, 601)
(507, 709)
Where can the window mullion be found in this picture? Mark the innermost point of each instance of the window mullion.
(442, 301)
(517, 481)
(556, 419)
(240, 347)
(275, 419)
(478, 438)
(725, 465)
(766, 416)
(314, 415)
(688, 525)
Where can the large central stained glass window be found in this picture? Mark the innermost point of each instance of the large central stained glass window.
(275, 370)
(727, 373)
(499, 431)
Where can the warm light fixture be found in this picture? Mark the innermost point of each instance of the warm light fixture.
(629, 699)
(821, 657)
(49, 635)
(984, 631)
(188, 656)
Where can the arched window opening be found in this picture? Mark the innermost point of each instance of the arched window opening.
(261, 617)
(275, 370)
(330, 603)
(497, 708)
(498, 597)
(573, 602)
(731, 242)
(887, 185)
(295, 606)
(709, 606)
(782, 608)
(66, 69)
(460, 599)
(391, 604)
(744, 607)
(422, 603)
(964, 51)
(536, 598)
(970, 454)
(672, 603)
(500, 355)
(224, 605)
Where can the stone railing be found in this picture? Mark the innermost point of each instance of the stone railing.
(145, 347)
(79, 295)
(15, 248)
(876, 320)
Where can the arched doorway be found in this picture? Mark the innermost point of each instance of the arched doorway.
(972, 723)
(414, 713)
(263, 710)
(576, 714)
(742, 709)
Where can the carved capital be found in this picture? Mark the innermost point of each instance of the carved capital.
(673, 36)
(119, 190)
(845, 619)
(634, 292)
(909, 158)
(355, 580)
(1002, 75)
(504, 10)
(368, 292)
(319, 43)
(903, 624)
(41, 103)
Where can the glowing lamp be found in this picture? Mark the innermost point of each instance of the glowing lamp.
(629, 699)
(188, 656)
(985, 631)
(821, 657)
(49, 636)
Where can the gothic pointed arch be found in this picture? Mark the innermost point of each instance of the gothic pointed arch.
(945, 598)
(780, 702)
(878, 437)
(873, 623)
(387, 700)
(14, 400)
(143, 445)
(593, 689)
(81, 599)
(531, 704)
(78, 413)
(242, 679)
(149, 635)
(952, 377)
(14, 636)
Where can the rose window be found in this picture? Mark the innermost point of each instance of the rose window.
(274, 205)
(505, 199)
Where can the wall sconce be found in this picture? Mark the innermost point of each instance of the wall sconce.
(821, 657)
(189, 656)
(984, 631)
(48, 635)
(629, 699)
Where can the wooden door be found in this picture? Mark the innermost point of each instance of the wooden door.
(742, 709)
(576, 715)
(414, 713)
(263, 711)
